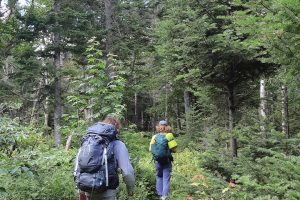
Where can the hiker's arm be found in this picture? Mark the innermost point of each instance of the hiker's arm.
(173, 150)
(124, 164)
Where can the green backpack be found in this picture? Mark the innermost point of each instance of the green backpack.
(160, 150)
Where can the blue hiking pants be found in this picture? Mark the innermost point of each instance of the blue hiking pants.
(163, 179)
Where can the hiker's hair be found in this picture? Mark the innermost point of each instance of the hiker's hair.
(113, 121)
(163, 128)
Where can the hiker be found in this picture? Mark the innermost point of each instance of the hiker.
(98, 158)
(162, 146)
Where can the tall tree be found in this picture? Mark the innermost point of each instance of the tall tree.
(131, 44)
(263, 105)
(109, 34)
(57, 67)
(213, 54)
(285, 109)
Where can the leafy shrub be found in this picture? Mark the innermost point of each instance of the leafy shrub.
(39, 175)
(202, 167)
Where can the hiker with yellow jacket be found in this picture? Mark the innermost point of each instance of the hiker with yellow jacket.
(162, 146)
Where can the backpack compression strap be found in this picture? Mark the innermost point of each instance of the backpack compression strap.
(104, 161)
(76, 163)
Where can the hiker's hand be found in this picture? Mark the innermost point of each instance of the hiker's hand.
(130, 194)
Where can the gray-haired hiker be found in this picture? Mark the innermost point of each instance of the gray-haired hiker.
(98, 159)
(162, 146)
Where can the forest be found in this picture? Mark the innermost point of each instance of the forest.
(223, 73)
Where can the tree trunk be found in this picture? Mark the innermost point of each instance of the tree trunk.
(33, 114)
(263, 106)
(88, 112)
(57, 95)
(178, 116)
(231, 115)
(285, 110)
(142, 120)
(88, 115)
(109, 35)
(166, 104)
(46, 105)
(46, 84)
(187, 105)
(126, 117)
(136, 117)
(46, 112)
(6, 70)
(68, 143)
(153, 124)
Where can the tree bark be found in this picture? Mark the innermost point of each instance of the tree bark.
(68, 143)
(187, 105)
(108, 24)
(142, 120)
(178, 116)
(46, 112)
(166, 104)
(126, 117)
(88, 112)
(6, 69)
(136, 117)
(109, 35)
(46, 104)
(88, 115)
(33, 114)
(263, 106)
(153, 120)
(285, 111)
(231, 115)
(57, 95)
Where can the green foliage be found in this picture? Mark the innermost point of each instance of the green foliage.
(15, 138)
(143, 165)
(30, 168)
(201, 169)
(208, 48)
(261, 171)
(39, 175)
(188, 179)
(101, 94)
(271, 25)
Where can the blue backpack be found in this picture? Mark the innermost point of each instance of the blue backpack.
(95, 166)
(160, 150)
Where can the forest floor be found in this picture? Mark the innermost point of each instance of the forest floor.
(39, 171)
(188, 179)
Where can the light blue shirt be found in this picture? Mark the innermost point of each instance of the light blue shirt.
(123, 161)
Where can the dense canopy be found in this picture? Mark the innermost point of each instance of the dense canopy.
(224, 75)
